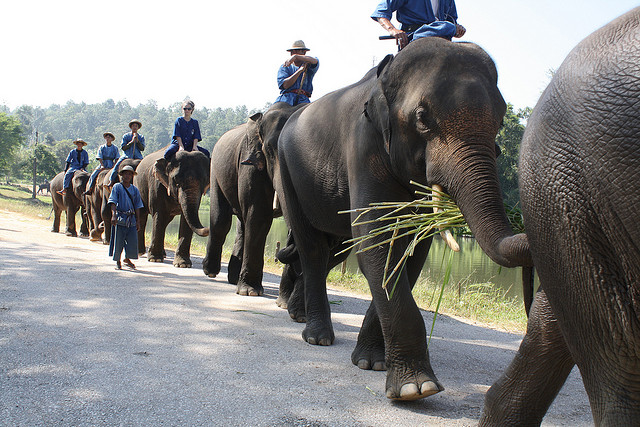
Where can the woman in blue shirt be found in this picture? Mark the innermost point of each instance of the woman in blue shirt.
(186, 133)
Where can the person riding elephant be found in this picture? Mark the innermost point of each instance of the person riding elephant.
(247, 192)
(132, 145)
(579, 177)
(77, 160)
(169, 188)
(70, 202)
(95, 202)
(106, 155)
(431, 115)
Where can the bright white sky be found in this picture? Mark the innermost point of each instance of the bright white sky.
(226, 53)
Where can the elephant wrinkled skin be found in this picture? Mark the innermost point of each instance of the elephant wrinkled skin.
(169, 188)
(580, 193)
(430, 115)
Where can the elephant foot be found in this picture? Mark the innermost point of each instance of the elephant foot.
(84, 234)
(404, 383)
(282, 301)
(105, 242)
(70, 234)
(210, 271)
(181, 262)
(318, 333)
(369, 357)
(155, 258)
(247, 290)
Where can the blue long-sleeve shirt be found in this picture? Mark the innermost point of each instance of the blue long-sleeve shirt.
(122, 201)
(77, 160)
(132, 152)
(294, 98)
(108, 154)
(413, 12)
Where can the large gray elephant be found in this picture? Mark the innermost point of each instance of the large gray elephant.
(429, 115)
(244, 190)
(580, 193)
(169, 188)
(70, 203)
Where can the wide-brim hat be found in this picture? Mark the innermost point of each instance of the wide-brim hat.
(104, 135)
(127, 168)
(135, 121)
(81, 141)
(298, 45)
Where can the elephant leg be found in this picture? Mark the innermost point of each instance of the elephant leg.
(71, 218)
(143, 217)
(219, 226)
(237, 254)
(106, 221)
(183, 251)
(57, 214)
(287, 280)
(409, 372)
(296, 303)
(84, 228)
(257, 227)
(156, 248)
(369, 352)
(527, 388)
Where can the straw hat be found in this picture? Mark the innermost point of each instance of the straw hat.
(104, 135)
(298, 45)
(127, 168)
(135, 121)
(80, 140)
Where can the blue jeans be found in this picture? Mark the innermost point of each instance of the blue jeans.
(174, 147)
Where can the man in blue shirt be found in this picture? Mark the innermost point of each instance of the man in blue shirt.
(419, 18)
(295, 76)
(186, 133)
(78, 159)
(132, 147)
(107, 155)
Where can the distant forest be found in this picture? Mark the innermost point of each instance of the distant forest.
(58, 125)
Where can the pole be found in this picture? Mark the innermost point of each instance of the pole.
(35, 167)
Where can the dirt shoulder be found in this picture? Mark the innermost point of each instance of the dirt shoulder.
(85, 344)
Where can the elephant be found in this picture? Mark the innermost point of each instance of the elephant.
(169, 188)
(70, 203)
(98, 211)
(246, 192)
(580, 195)
(430, 114)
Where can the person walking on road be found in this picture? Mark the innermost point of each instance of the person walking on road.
(125, 203)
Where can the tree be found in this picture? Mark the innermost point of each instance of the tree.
(11, 139)
(508, 139)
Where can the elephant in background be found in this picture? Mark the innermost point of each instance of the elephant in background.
(70, 203)
(431, 115)
(247, 192)
(96, 203)
(169, 188)
(580, 195)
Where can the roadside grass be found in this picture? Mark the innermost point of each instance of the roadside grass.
(483, 303)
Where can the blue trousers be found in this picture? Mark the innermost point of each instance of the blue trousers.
(93, 177)
(68, 176)
(123, 238)
(174, 147)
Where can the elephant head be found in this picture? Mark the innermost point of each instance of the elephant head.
(442, 132)
(263, 131)
(79, 185)
(186, 178)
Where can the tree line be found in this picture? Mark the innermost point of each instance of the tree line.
(47, 134)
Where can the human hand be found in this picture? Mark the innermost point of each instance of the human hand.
(460, 30)
(402, 39)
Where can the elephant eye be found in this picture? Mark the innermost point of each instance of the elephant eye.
(424, 123)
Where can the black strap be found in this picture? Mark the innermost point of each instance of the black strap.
(133, 205)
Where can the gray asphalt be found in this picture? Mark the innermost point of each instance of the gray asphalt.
(83, 344)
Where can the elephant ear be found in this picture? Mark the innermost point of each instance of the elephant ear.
(160, 172)
(376, 109)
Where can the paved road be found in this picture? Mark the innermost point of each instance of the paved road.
(83, 344)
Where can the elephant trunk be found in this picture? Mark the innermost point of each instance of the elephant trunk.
(476, 190)
(189, 199)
